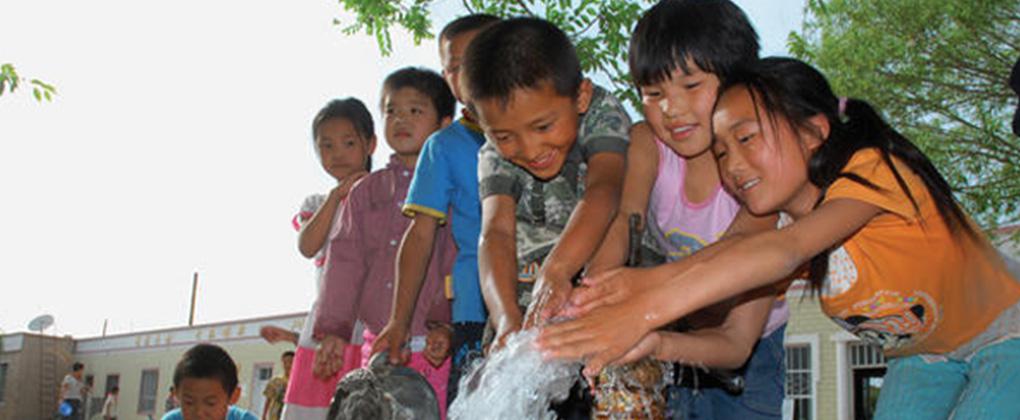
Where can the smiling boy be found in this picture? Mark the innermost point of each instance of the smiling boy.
(550, 173)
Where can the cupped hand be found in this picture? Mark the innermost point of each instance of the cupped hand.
(548, 299)
(504, 327)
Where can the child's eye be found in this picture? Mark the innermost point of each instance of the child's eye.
(745, 139)
(544, 127)
(650, 93)
(416, 111)
(692, 85)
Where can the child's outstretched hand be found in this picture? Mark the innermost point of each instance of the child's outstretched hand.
(608, 288)
(276, 334)
(548, 299)
(601, 336)
(329, 357)
(391, 339)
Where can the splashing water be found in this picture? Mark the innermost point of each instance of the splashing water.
(514, 383)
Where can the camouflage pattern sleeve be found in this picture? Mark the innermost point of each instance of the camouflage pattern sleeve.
(497, 175)
(605, 127)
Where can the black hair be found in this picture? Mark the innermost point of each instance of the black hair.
(350, 109)
(115, 389)
(520, 53)
(77, 366)
(287, 353)
(426, 81)
(466, 23)
(715, 34)
(207, 361)
(795, 91)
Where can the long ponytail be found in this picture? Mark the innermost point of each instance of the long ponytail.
(796, 91)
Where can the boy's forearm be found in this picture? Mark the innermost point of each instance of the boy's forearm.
(585, 230)
(497, 266)
(612, 252)
(412, 264)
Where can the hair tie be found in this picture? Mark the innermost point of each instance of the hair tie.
(842, 107)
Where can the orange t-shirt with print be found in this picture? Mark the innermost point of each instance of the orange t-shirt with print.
(903, 280)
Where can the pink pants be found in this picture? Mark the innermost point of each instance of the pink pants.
(305, 389)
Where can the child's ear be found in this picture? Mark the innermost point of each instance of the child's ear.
(820, 127)
(371, 146)
(236, 395)
(445, 122)
(584, 93)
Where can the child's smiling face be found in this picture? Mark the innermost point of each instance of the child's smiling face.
(437, 345)
(535, 128)
(204, 398)
(679, 109)
(764, 165)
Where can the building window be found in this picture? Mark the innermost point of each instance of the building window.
(867, 365)
(111, 382)
(798, 380)
(147, 391)
(3, 380)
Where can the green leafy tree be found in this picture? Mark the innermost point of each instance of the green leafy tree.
(600, 29)
(938, 70)
(11, 81)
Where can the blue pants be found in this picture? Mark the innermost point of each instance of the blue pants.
(985, 387)
(764, 376)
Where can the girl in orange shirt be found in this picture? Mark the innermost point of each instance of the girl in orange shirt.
(892, 256)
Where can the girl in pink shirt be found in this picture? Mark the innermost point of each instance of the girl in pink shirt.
(344, 140)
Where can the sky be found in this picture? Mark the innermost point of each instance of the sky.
(179, 142)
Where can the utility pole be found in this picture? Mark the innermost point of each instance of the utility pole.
(194, 292)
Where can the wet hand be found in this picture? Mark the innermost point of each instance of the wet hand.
(548, 299)
(601, 336)
(329, 357)
(610, 287)
(648, 346)
(391, 339)
(505, 326)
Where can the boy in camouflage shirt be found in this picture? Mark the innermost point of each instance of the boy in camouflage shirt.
(550, 173)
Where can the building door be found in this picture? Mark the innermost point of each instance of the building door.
(867, 386)
(263, 373)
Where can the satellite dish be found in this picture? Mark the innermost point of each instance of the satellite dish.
(40, 323)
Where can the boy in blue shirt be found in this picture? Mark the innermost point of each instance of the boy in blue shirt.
(445, 180)
(205, 383)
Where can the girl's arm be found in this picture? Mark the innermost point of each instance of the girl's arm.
(497, 265)
(727, 346)
(673, 290)
(315, 231)
(583, 233)
(412, 265)
(642, 168)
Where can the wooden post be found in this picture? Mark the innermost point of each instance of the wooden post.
(194, 291)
